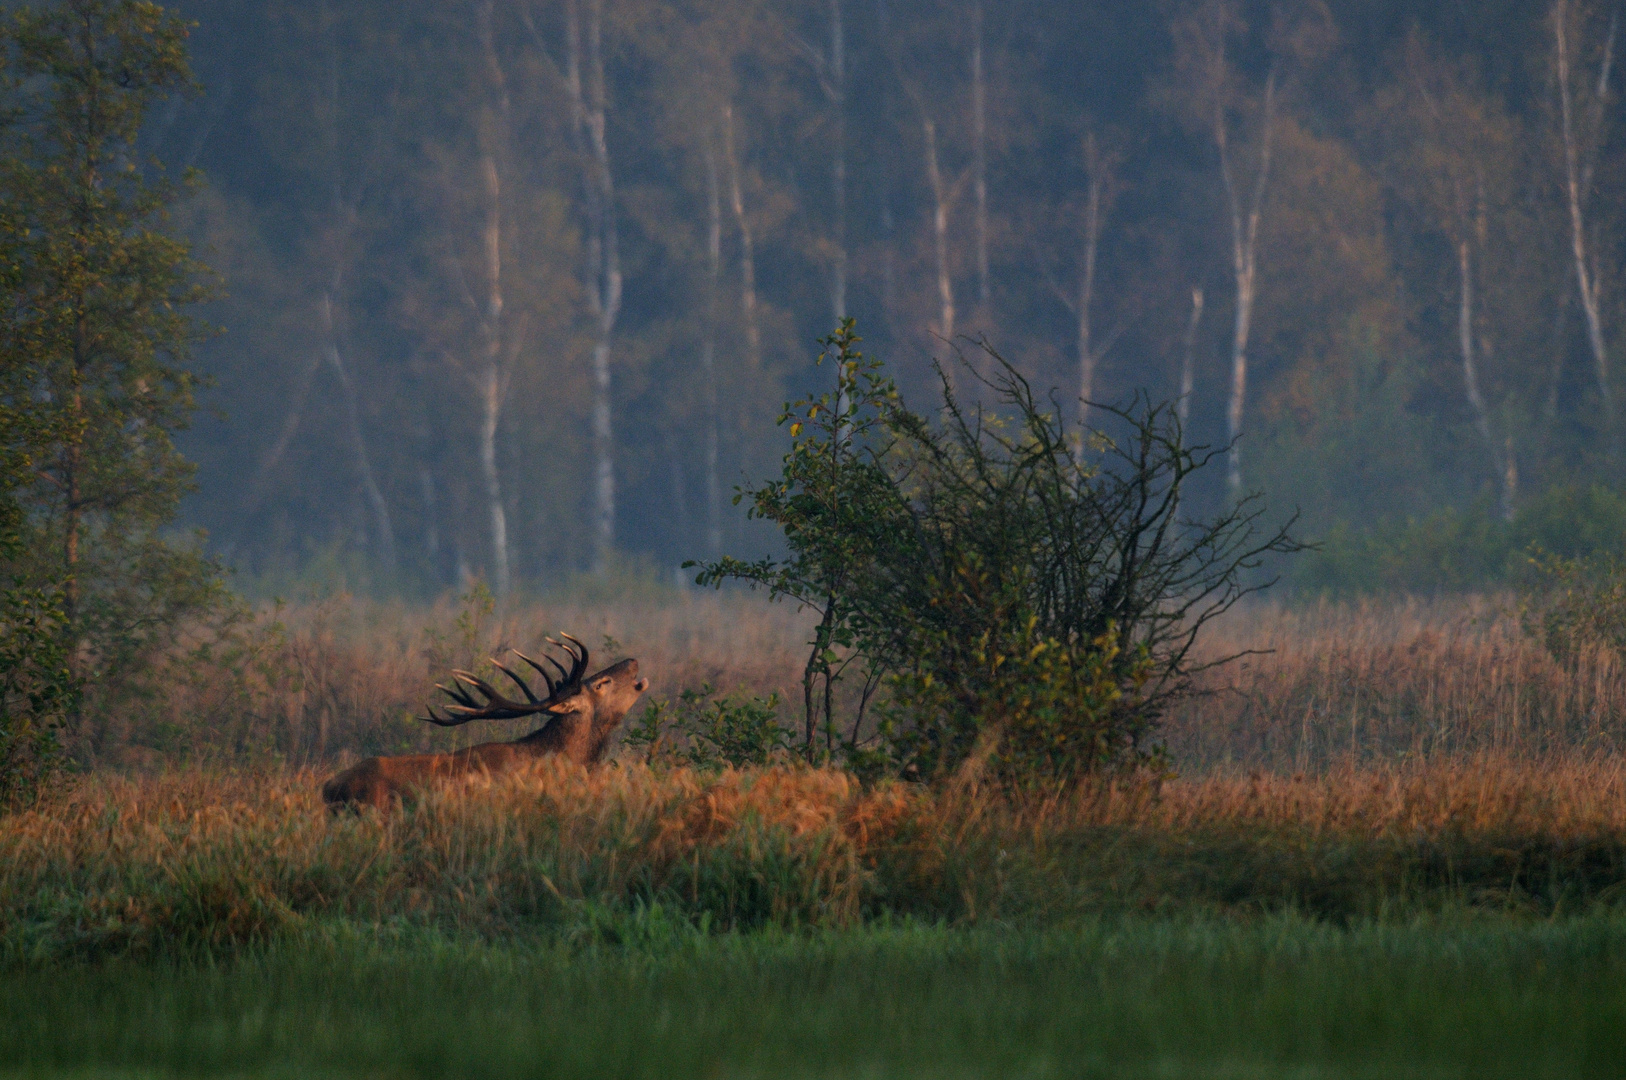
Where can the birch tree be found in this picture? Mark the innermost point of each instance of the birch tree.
(589, 104)
(1215, 91)
(1582, 99)
(1453, 150)
(748, 257)
(492, 373)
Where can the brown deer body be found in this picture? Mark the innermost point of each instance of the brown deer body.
(582, 716)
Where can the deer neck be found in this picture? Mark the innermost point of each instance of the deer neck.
(570, 735)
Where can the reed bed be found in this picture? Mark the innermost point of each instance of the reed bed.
(1323, 687)
(194, 860)
(1332, 685)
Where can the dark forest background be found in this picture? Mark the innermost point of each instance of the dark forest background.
(515, 290)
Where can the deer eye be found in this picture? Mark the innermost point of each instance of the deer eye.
(602, 683)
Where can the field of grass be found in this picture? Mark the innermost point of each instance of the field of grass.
(1267, 997)
(1394, 845)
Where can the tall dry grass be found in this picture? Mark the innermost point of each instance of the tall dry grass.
(196, 860)
(1328, 686)
(347, 677)
(1339, 684)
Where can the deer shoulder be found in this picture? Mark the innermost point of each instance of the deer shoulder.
(580, 714)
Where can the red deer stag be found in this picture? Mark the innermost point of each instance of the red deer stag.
(582, 715)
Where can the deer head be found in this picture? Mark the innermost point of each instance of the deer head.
(581, 713)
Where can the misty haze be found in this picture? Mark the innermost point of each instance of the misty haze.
(812, 538)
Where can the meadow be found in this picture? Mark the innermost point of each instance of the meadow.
(1393, 843)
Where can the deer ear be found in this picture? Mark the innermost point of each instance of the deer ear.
(568, 705)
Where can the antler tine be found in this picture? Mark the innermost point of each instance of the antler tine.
(444, 721)
(495, 701)
(458, 694)
(540, 670)
(529, 697)
(578, 665)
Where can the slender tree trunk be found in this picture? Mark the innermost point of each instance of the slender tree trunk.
(940, 223)
(708, 357)
(1188, 378)
(1086, 291)
(492, 382)
(358, 440)
(589, 109)
(979, 154)
(1576, 190)
(1188, 363)
(1244, 253)
(748, 264)
(1470, 375)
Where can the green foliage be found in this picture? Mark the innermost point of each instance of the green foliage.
(37, 692)
(707, 731)
(1576, 605)
(1021, 594)
(1457, 549)
(96, 338)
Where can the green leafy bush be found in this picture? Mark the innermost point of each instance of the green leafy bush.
(1576, 604)
(38, 692)
(1028, 596)
(706, 731)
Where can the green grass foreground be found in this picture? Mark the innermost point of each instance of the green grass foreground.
(1277, 996)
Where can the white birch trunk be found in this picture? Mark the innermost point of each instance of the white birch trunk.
(940, 223)
(1244, 253)
(589, 109)
(1576, 189)
(1086, 287)
(1470, 378)
(748, 264)
(490, 382)
(491, 379)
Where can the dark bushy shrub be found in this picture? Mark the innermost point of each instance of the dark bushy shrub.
(1028, 596)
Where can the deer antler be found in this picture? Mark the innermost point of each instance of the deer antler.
(498, 707)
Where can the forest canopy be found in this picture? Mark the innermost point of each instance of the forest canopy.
(516, 288)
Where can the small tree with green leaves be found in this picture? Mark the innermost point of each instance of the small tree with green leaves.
(1029, 606)
(97, 333)
(832, 480)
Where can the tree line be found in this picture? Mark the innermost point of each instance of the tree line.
(515, 288)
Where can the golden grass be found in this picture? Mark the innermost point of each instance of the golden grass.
(193, 859)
